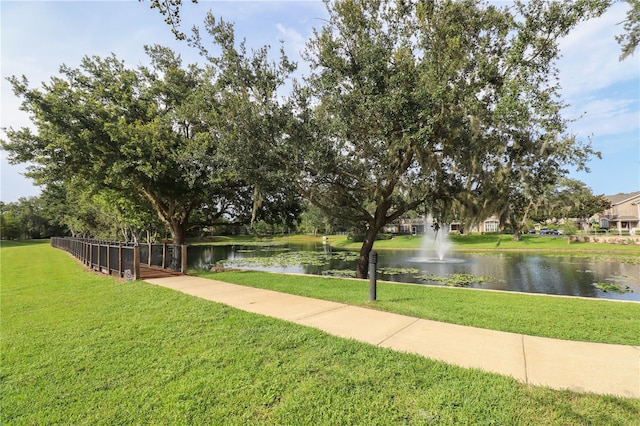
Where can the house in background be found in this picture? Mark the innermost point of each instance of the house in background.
(489, 225)
(624, 214)
(420, 225)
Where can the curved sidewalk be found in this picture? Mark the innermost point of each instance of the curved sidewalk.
(559, 364)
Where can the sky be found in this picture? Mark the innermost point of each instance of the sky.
(36, 37)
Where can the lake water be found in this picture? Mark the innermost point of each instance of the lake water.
(570, 275)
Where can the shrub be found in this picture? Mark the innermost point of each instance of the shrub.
(570, 228)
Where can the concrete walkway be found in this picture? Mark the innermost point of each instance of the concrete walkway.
(559, 364)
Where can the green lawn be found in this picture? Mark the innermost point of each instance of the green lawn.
(586, 320)
(79, 348)
(501, 242)
(472, 242)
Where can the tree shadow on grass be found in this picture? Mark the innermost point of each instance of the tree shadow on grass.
(21, 243)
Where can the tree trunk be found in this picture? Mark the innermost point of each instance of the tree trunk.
(517, 226)
(516, 234)
(367, 246)
(178, 233)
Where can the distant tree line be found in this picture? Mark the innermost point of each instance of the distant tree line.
(50, 214)
(435, 106)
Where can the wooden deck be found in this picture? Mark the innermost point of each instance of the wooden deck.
(152, 272)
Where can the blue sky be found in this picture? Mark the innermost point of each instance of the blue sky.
(38, 36)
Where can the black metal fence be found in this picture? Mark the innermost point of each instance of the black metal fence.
(123, 259)
(165, 256)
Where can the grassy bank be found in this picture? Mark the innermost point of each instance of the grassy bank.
(537, 315)
(79, 348)
(473, 242)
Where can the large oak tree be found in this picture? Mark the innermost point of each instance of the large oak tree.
(155, 131)
(424, 103)
(123, 129)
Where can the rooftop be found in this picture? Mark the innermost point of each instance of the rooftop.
(621, 198)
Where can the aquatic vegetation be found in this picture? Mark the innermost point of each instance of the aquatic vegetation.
(344, 273)
(626, 259)
(398, 271)
(456, 280)
(290, 258)
(578, 271)
(613, 287)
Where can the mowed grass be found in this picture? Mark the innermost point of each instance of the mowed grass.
(500, 242)
(79, 348)
(468, 242)
(589, 320)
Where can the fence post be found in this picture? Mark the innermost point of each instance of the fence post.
(150, 253)
(373, 261)
(164, 255)
(85, 249)
(183, 259)
(120, 270)
(136, 262)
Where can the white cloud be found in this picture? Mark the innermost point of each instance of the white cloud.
(39, 36)
(292, 38)
(607, 116)
(590, 55)
(606, 93)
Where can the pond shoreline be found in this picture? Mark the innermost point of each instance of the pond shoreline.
(572, 274)
(471, 243)
(452, 287)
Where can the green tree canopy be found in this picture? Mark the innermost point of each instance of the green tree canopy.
(414, 103)
(255, 116)
(120, 128)
(29, 217)
(170, 9)
(10, 226)
(574, 199)
(160, 132)
(631, 37)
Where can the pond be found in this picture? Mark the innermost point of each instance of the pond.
(569, 275)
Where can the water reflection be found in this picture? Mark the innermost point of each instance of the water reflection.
(523, 272)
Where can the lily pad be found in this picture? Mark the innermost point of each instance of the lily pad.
(346, 273)
(456, 280)
(612, 287)
(398, 271)
(290, 258)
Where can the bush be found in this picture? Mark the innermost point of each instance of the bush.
(570, 228)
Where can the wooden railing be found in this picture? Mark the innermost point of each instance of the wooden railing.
(123, 259)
